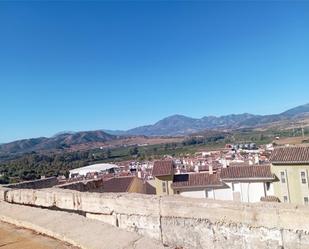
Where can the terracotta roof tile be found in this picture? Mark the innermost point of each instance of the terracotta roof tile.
(196, 180)
(285, 155)
(163, 168)
(245, 172)
(118, 184)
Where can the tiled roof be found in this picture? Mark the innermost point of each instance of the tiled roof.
(196, 180)
(118, 184)
(246, 172)
(163, 168)
(285, 155)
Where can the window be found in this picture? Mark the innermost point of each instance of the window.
(177, 192)
(282, 177)
(306, 200)
(285, 198)
(164, 187)
(303, 177)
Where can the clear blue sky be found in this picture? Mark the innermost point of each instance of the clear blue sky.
(117, 65)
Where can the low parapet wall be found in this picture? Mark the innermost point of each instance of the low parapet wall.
(179, 221)
(35, 184)
(94, 185)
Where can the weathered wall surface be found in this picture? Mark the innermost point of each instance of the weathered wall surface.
(179, 221)
(72, 228)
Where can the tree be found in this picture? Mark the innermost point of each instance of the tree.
(134, 151)
(4, 180)
(67, 174)
(108, 153)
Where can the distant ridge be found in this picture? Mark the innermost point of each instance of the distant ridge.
(171, 126)
(182, 125)
(59, 141)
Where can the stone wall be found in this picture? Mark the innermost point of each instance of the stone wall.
(94, 185)
(179, 221)
(35, 184)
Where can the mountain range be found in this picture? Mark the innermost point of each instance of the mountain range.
(182, 125)
(59, 141)
(176, 125)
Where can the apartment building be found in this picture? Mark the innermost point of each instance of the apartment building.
(291, 166)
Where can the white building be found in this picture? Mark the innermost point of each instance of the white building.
(94, 168)
(248, 183)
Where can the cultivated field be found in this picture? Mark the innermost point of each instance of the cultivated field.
(293, 141)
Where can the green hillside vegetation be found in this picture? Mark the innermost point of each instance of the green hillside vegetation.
(33, 165)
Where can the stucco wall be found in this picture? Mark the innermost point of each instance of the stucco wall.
(180, 221)
(137, 186)
(158, 183)
(293, 188)
(193, 194)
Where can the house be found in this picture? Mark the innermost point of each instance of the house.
(248, 183)
(163, 173)
(242, 184)
(291, 166)
(238, 183)
(198, 185)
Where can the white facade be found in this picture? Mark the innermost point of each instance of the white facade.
(235, 191)
(193, 193)
(250, 191)
(223, 194)
(209, 193)
(95, 168)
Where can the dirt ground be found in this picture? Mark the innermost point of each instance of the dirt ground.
(12, 237)
(293, 141)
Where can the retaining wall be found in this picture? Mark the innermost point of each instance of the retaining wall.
(94, 185)
(180, 221)
(35, 184)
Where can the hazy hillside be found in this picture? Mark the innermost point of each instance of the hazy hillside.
(60, 141)
(180, 125)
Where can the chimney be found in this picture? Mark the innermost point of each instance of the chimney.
(196, 169)
(224, 163)
(211, 171)
(139, 174)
